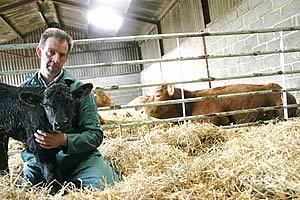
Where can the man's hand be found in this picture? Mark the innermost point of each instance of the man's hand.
(50, 140)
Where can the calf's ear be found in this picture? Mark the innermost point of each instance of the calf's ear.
(82, 90)
(31, 98)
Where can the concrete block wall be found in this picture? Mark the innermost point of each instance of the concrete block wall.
(249, 15)
(178, 70)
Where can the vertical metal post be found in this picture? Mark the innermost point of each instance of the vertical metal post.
(206, 60)
(284, 94)
(181, 73)
(160, 66)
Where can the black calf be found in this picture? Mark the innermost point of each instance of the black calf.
(24, 110)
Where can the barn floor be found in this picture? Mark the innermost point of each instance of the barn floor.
(189, 161)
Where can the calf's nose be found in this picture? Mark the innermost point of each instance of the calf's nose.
(56, 126)
(63, 124)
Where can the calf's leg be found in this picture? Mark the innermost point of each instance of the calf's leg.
(47, 160)
(3, 154)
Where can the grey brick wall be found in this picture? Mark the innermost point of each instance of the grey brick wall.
(248, 15)
(256, 14)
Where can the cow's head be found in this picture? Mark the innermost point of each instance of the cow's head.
(164, 93)
(102, 99)
(139, 100)
(58, 102)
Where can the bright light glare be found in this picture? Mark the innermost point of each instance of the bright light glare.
(105, 18)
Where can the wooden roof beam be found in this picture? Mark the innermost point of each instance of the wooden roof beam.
(58, 16)
(42, 14)
(5, 23)
(167, 8)
(15, 5)
(142, 18)
(67, 3)
(71, 3)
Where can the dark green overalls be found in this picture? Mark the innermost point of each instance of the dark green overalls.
(79, 162)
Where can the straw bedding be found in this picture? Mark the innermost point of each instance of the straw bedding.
(188, 161)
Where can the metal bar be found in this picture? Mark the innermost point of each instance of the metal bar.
(13, 54)
(223, 96)
(183, 35)
(156, 36)
(183, 58)
(181, 85)
(283, 79)
(180, 119)
(124, 87)
(169, 60)
(206, 60)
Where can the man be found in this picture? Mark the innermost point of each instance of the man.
(79, 160)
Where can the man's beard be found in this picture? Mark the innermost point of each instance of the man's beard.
(52, 70)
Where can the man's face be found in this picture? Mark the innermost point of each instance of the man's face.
(53, 56)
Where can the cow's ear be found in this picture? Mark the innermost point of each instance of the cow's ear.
(82, 90)
(170, 90)
(31, 98)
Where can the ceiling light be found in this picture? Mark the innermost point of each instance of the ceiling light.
(105, 18)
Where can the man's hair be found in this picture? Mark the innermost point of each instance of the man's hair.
(58, 34)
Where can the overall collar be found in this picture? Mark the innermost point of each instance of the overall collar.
(55, 80)
(64, 77)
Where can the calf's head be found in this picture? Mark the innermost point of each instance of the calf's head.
(58, 102)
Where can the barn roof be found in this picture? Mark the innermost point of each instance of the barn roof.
(21, 18)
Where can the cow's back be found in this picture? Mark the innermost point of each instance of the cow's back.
(233, 89)
(243, 102)
(221, 105)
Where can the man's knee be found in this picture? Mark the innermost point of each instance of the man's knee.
(31, 169)
(91, 182)
(95, 172)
